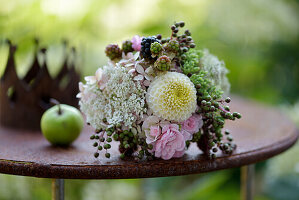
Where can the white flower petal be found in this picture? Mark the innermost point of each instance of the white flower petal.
(148, 77)
(139, 69)
(99, 74)
(79, 95)
(136, 56)
(139, 77)
(146, 82)
(131, 71)
(90, 79)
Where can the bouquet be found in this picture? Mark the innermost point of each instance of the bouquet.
(156, 96)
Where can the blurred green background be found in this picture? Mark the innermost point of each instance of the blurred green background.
(257, 39)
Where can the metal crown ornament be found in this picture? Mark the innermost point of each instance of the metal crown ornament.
(24, 100)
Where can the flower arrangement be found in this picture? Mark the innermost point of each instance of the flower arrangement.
(156, 96)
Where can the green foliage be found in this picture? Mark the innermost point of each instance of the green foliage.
(204, 86)
(191, 61)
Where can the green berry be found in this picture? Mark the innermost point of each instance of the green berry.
(109, 133)
(163, 63)
(226, 108)
(237, 115)
(107, 146)
(95, 144)
(100, 147)
(115, 137)
(122, 156)
(156, 48)
(107, 155)
(109, 140)
(173, 45)
(92, 137)
(96, 154)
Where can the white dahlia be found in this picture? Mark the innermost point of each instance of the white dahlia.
(172, 96)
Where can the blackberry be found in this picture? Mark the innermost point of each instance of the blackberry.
(146, 46)
(113, 51)
(127, 46)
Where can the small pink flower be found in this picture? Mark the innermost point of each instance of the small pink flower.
(136, 43)
(101, 78)
(191, 126)
(84, 94)
(171, 144)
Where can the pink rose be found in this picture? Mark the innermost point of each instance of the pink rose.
(191, 126)
(171, 144)
(155, 131)
(150, 126)
(136, 43)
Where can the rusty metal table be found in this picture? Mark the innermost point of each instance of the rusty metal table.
(262, 133)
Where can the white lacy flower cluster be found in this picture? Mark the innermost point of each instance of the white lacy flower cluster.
(216, 71)
(112, 97)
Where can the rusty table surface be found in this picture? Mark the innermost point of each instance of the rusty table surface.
(262, 133)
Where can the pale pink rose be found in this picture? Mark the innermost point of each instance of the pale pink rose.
(148, 127)
(101, 78)
(191, 126)
(171, 144)
(136, 43)
(155, 131)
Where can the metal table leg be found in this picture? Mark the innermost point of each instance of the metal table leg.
(58, 189)
(247, 182)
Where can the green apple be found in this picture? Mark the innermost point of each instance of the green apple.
(61, 124)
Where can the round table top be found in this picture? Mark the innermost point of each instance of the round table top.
(261, 133)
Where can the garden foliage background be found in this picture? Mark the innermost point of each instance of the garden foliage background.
(257, 39)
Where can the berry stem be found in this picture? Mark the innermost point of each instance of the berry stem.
(220, 107)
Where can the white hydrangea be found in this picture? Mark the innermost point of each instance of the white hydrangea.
(172, 96)
(216, 71)
(121, 100)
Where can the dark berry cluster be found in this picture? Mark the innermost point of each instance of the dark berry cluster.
(102, 140)
(113, 51)
(146, 46)
(214, 113)
(127, 46)
(128, 142)
(185, 40)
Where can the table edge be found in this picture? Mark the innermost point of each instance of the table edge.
(128, 172)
